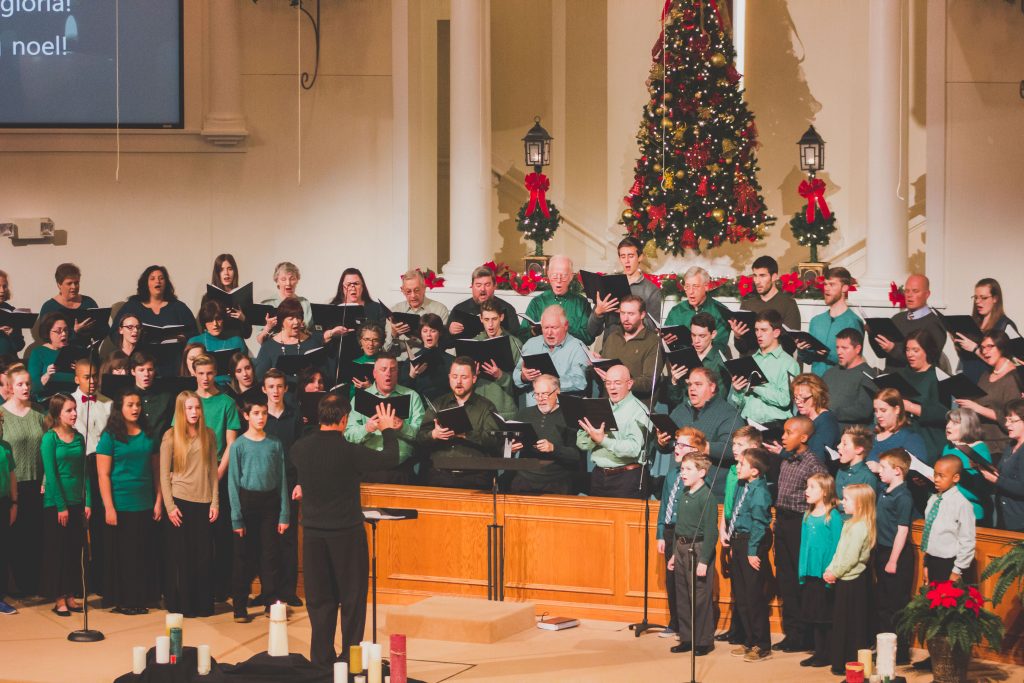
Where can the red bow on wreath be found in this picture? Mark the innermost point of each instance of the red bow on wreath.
(814, 193)
(537, 184)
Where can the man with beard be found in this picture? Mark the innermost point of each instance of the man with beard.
(826, 325)
(765, 274)
(634, 345)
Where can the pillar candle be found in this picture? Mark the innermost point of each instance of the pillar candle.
(864, 657)
(204, 660)
(360, 679)
(854, 672)
(376, 670)
(174, 620)
(886, 655)
(399, 673)
(364, 648)
(355, 659)
(340, 672)
(277, 645)
(163, 650)
(138, 659)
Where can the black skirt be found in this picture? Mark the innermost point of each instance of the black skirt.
(62, 553)
(849, 625)
(816, 601)
(188, 561)
(129, 575)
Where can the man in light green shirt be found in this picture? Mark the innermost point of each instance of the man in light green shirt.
(576, 306)
(618, 456)
(495, 384)
(365, 430)
(772, 401)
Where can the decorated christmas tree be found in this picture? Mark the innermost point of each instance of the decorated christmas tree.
(695, 184)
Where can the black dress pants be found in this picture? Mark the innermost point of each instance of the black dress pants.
(748, 590)
(188, 573)
(670, 579)
(6, 549)
(62, 553)
(787, 568)
(336, 570)
(290, 551)
(259, 550)
(617, 483)
(892, 593)
(223, 545)
(130, 560)
(27, 538)
(849, 627)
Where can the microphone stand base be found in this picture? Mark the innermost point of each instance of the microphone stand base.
(85, 636)
(644, 626)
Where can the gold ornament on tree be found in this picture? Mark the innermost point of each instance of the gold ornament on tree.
(718, 60)
(718, 215)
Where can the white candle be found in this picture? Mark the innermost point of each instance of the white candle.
(174, 620)
(139, 659)
(864, 657)
(277, 645)
(341, 672)
(204, 660)
(360, 679)
(364, 647)
(375, 672)
(885, 655)
(279, 611)
(163, 650)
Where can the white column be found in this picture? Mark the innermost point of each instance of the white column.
(401, 152)
(470, 139)
(886, 243)
(224, 122)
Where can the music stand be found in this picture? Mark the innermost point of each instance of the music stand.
(374, 516)
(495, 531)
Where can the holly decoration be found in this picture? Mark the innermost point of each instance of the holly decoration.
(695, 183)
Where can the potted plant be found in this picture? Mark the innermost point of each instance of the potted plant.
(1010, 568)
(950, 618)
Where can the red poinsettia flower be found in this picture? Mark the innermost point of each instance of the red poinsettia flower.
(745, 285)
(653, 279)
(791, 282)
(944, 594)
(819, 283)
(896, 296)
(430, 278)
(853, 285)
(974, 594)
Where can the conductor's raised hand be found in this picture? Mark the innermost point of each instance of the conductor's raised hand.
(386, 417)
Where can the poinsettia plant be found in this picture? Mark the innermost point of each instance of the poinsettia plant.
(523, 283)
(742, 286)
(430, 278)
(944, 609)
(896, 295)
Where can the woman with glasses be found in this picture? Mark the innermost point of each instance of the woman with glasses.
(989, 315)
(810, 394)
(371, 339)
(1009, 480)
(963, 431)
(1001, 385)
(47, 379)
(126, 338)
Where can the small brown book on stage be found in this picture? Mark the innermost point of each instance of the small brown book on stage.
(557, 623)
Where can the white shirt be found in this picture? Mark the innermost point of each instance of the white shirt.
(98, 412)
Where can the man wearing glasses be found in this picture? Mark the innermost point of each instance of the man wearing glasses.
(617, 456)
(695, 286)
(414, 290)
(576, 306)
(556, 441)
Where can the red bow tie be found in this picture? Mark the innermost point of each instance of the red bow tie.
(86, 399)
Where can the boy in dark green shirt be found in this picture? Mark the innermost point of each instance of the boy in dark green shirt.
(853, 449)
(748, 534)
(696, 528)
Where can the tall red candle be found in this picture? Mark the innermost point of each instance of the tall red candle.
(399, 672)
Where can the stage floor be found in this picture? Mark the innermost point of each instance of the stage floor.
(35, 648)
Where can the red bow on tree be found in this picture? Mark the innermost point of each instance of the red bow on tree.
(656, 216)
(537, 184)
(814, 193)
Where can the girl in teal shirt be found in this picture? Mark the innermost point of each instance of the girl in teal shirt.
(128, 471)
(819, 536)
(65, 500)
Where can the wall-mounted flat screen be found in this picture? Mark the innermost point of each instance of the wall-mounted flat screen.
(91, 64)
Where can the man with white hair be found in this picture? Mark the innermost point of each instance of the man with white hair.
(568, 354)
(576, 306)
(695, 286)
(414, 289)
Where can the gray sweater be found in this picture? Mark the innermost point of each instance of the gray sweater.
(851, 394)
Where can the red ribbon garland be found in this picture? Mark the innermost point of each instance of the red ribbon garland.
(814, 193)
(537, 184)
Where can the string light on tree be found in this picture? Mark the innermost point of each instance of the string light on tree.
(695, 183)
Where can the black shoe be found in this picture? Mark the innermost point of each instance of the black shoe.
(814, 662)
(923, 665)
(293, 601)
(682, 647)
(839, 672)
(61, 612)
(783, 644)
(120, 610)
(724, 637)
(701, 651)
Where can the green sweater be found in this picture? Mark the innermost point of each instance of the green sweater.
(64, 466)
(256, 466)
(24, 435)
(576, 307)
(853, 551)
(682, 313)
(131, 471)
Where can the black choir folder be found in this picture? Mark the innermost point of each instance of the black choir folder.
(456, 419)
(239, 299)
(882, 327)
(542, 362)
(471, 325)
(18, 320)
(961, 324)
(602, 285)
(294, 363)
(958, 386)
(806, 337)
(664, 423)
(496, 349)
(746, 368)
(366, 403)
(978, 462)
(516, 430)
(328, 316)
(892, 380)
(597, 410)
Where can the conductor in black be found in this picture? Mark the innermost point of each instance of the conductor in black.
(335, 555)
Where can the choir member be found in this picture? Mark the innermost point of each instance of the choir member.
(1009, 480)
(429, 376)
(293, 339)
(605, 313)
(771, 401)
(927, 414)
(577, 308)
(695, 286)
(1001, 384)
(225, 276)
(482, 286)
(243, 374)
(918, 316)
(23, 430)
(128, 471)
(42, 362)
(635, 345)
(66, 499)
(849, 380)
(157, 405)
(414, 289)
(496, 384)
(556, 442)
(989, 315)
(826, 326)
(286, 279)
(765, 274)
(811, 399)
(702, 338)
(155, 303)
(69, 298)
(352, 289)
(126, 337)
(568, 354)
(215, 336)
(188, 484)
(892, 430)
(188, 358)
(12, 340)
(8, 515)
